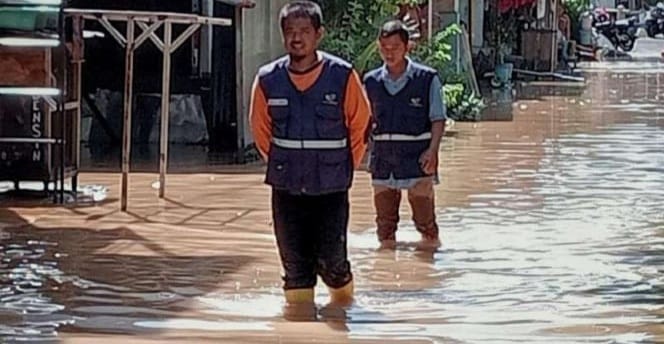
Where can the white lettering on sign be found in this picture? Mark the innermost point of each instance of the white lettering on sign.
(36, 123)
(36, 127)
(36, 130)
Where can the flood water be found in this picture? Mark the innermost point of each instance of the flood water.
(552, 224)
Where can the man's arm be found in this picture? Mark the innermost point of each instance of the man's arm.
(438, 116)
(357, 112)
(437, 112)
(261, 123)
(437, 132)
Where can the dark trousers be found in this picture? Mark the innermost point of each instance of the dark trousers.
(311, 235)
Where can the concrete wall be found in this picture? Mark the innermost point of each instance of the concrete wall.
(261, 42)
(604, 3)
(443, 8)
(478, 24)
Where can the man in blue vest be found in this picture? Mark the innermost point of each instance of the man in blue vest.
(309, 115)
(407, 126)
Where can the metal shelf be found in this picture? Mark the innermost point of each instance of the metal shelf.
(30, 91)
(31, 2)
(43, 140)
(47, 156)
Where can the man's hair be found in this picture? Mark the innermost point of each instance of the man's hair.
(395, 27)
(302, 9)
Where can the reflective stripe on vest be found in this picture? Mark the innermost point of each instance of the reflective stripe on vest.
(402, 137)
(310, 144)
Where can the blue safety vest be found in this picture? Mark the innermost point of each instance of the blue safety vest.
(401, 124)
(310, 152)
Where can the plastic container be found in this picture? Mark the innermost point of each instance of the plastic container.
(585, 37)
(504, 72)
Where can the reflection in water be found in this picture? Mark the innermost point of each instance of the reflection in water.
(553, 230)
(60, 276)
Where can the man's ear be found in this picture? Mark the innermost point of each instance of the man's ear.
(320, 34)
(411, 45)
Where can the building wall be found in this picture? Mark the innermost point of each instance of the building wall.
(477, 14)
(261, 42)
(604, 3)
(443, 8)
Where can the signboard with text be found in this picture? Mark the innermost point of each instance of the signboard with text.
(22, 117)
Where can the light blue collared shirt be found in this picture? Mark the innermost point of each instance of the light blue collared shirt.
(437, 112)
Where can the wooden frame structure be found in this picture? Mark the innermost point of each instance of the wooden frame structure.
(148, 22)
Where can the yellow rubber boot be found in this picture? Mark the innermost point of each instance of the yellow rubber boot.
(299, 296)
(300, 305)
(342, 296)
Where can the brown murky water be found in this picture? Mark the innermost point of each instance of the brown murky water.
(553, 231)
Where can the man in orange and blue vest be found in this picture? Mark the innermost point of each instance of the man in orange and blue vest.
(309, 115)
(407, 126)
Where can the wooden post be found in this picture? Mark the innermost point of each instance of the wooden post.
(468, 61)
(165, 107)
(554, 39)
(128, 94)
(239, 86)
(430, 20)
(78, 68)
(48, 121)
(471, 10)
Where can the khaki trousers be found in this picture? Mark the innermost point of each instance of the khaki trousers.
(421, 199)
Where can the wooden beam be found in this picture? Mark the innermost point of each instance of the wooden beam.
(126, 131)
(239, 87)
(148, 16)
(153, 36)
(165, 108)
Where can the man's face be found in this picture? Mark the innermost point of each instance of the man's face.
(300, 37)
(392, 50)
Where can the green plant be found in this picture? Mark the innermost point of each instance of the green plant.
(452, 93)
(506, 31)
(461, 104)
(352, 27)
(575, 7)
(438, 52)
(470, 109)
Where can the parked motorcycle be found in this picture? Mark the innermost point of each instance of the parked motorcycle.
(600, 15)
(655, 20)
(621, 33)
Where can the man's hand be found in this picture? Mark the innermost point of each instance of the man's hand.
(429, 161)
